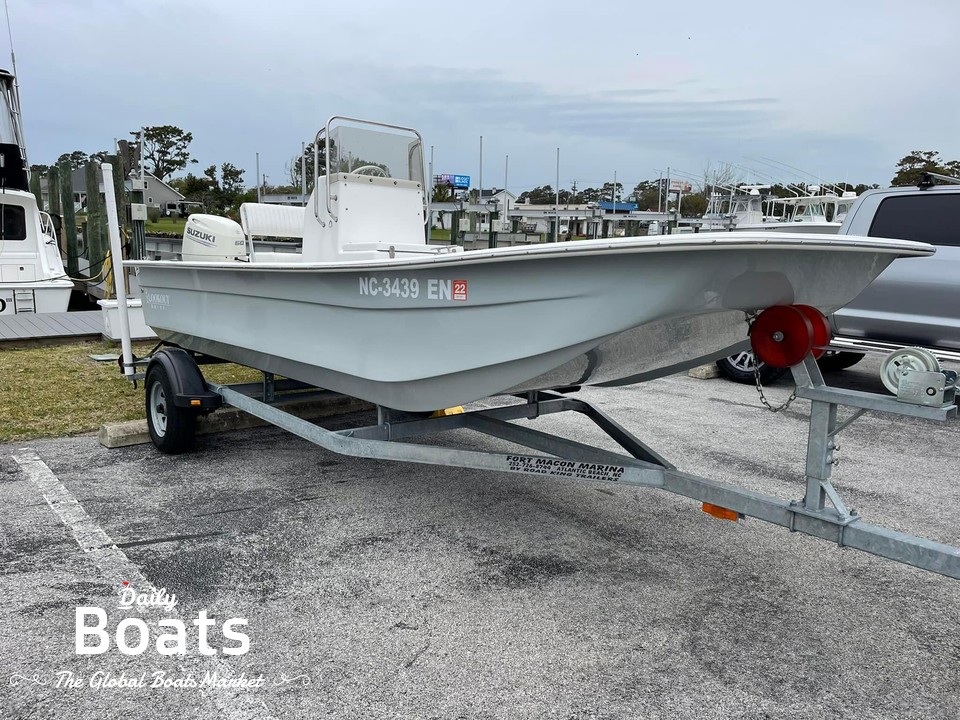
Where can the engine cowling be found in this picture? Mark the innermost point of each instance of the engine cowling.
(211, 238)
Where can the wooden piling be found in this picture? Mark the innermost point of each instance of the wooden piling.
(68, 227)
(96, 221)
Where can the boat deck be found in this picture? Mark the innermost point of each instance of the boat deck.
(30, 327)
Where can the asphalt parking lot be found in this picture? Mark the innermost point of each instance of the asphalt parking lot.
(376, 589)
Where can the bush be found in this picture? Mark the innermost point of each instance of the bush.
(153, 215)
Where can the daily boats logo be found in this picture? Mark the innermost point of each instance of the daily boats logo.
(159, 630)
(132, 635)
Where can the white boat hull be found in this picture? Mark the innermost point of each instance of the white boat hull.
(568, 314)
(51, 296)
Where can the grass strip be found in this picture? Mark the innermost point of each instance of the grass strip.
(59, 390)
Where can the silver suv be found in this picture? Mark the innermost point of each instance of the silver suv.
(914, 302)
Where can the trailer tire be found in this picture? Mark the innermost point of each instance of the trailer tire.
(172, 429)
(839, 360)
(741, 368)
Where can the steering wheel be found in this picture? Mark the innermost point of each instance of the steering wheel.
(374, 170)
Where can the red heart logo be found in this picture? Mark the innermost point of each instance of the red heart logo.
(125, 582)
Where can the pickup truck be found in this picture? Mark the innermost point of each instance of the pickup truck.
(913, 303)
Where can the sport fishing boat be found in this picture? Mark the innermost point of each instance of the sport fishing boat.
(366, 307)
(806, 213)
(32, 278)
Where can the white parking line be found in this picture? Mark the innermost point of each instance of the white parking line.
(113, 563)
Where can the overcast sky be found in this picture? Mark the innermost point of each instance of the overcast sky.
(838, 89)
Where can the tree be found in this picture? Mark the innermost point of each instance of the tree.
(231, 179)
(222, 188)
(912, 166)
(165, 148)
(442, 193)
(191, 187)
(608, 193)
(589, 195)
(294, 167)
(78, 158)
(693, 205)
(544, 195)
(647, 194)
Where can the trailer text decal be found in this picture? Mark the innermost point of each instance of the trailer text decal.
(565, 468)
(401, 287)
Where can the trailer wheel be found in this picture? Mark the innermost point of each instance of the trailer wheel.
(171, 428)
(839, 360)
(741, 368)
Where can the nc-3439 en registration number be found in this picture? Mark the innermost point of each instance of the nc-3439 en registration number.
(401, 287)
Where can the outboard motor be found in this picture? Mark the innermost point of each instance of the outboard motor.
(211, 238)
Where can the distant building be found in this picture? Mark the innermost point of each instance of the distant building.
(294, 199)
(498, 196)
(157, 195)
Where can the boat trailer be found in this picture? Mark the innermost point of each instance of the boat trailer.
(177, 393)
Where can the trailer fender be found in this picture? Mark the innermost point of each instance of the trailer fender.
(189, 388)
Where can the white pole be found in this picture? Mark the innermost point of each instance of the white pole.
(666, 204)
(116, 253)
(556, 225)
(506, 198)
(143, 167)
(303, 173)
(480, 194)
(259, 187)
(613, 199)
(429, 185)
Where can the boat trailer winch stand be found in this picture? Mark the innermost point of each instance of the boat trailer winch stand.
(820, 513)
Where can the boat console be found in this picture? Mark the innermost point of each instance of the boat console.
(371, 207)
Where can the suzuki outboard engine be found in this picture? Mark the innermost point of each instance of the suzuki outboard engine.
(211, 238)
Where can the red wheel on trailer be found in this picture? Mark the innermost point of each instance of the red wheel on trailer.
(781, 336)
(822, 332)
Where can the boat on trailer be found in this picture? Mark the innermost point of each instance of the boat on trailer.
(370, 310)
(32, 278)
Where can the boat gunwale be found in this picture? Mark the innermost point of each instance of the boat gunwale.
(579, 248)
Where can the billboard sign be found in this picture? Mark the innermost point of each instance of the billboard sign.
(457, 182)
(680, 186)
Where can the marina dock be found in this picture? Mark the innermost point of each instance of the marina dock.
(43, 327)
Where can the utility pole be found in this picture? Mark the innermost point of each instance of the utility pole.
(666, 205)
(506, 198)
(556, 225)
(303, 173)
(259, 194)
(613, 198)
(480, 193)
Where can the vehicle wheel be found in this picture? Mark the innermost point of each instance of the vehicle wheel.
(837, 360)
(899, 361)
(171, 428)
(741, 367)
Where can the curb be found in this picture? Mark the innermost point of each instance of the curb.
(134, 432)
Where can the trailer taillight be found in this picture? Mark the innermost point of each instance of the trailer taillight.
(721, 512)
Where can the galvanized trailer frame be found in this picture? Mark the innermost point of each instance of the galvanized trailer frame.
(821, 511)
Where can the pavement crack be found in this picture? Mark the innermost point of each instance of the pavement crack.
(172, 538)
(222, 512)
(416, 656)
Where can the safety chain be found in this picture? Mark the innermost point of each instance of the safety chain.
(763, 398)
